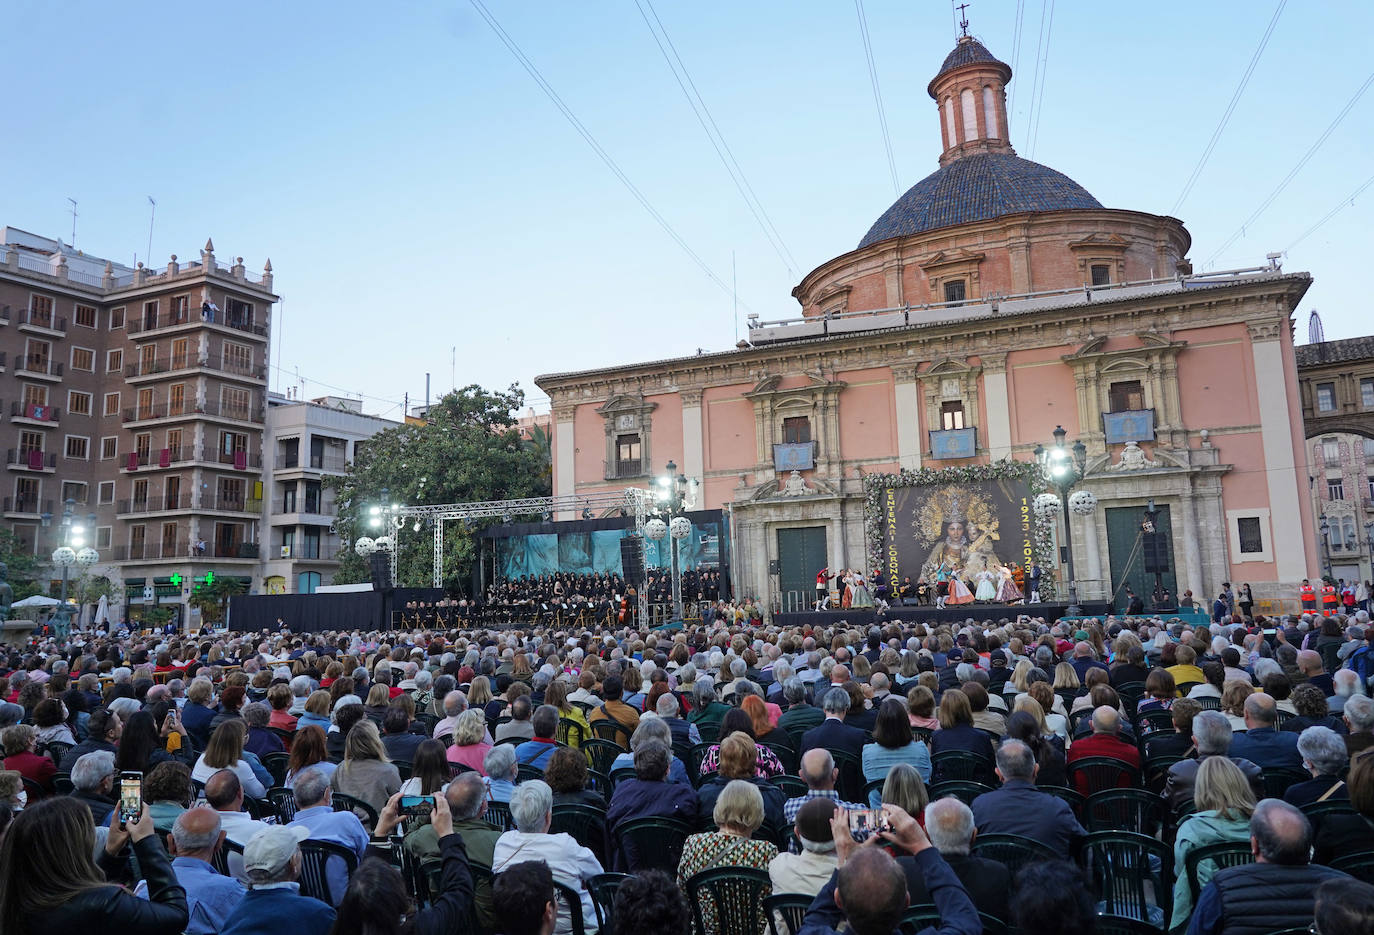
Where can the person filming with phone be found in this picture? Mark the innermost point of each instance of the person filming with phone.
(869, 892)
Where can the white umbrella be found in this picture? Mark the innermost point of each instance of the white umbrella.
(38, 600)
(102, 611)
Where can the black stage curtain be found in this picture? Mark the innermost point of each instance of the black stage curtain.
(311, 613)
(981, 613)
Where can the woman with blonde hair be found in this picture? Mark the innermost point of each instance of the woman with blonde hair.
(1066, 678)
(479, 692)
(1020, 674)
(1044, 695)
(905, 789)
(1225, 803)
(738, 811)
(469, 740)
(378, 698)
(225, 751)
(366, 773)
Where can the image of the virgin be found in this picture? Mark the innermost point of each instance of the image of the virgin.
(953, 549)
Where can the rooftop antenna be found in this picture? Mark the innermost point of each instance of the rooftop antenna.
(152, 215)
(73, 204)
(1315, 334)
(963, 18)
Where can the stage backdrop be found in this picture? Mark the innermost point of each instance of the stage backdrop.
(590, 546)
(973, 517)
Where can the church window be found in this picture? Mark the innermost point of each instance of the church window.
(952, 415)
(1102, 274)
(950, 134)
(1126, 396)
(990, 113)
(1251, 538)
(627, 456)
(955, 290)
(796, 430)
(970, 110)
(1326, 397)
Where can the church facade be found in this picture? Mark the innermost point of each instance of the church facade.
(993, 302)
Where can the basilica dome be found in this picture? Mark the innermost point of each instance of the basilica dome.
(978, 187)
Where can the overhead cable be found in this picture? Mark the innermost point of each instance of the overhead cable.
(877, 95)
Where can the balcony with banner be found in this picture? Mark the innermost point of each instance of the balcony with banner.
(794, 456)
(953, 444)
(1128, 425)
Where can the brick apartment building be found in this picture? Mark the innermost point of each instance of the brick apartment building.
(124, 397)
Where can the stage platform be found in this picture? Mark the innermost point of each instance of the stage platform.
(981, 613)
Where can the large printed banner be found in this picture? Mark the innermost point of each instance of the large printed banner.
(968, 527)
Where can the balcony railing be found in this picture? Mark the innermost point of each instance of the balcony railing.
(301, 553)
(33, 460)
(234, 505)
(28, 316)
(27, 505)
(162, 457)
(43, 366)
(35, 412)
(150, 551)
(301, 505)
(138, 324)
(154, 504)
(160, 411)
(258, 372)
(234, 550)
(249, 413)
(240, 460)
(144, 368)
(621, 469)
(328, 462)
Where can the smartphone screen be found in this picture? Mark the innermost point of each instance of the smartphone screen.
(130, 797)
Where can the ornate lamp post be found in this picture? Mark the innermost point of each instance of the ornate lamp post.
(73, 551)
(1325, 527)
(1064, 468)
(670, 497)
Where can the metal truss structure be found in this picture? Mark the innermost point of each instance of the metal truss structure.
(634, 499)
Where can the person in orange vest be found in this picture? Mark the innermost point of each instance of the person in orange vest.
(1330, 601)
(1307, 596)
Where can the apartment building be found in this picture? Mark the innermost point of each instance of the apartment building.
(308, 441)
(139, 395)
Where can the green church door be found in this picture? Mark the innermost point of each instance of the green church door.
(801, 554)
(1136, 556)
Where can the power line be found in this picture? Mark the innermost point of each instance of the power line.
(1347, 200)
(1044, 71)
(703, 115)
(877, 95)
(1035, 79)
(1312, 151)
(1230, 109)
(1016, 53)
(591, 141)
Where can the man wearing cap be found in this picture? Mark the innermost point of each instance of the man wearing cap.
(810, 870)
(272, 863)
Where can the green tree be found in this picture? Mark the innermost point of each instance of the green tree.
(23, 567)
(468, 450)
(213, 599)
(538, 443)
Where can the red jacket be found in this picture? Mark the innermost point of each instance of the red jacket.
(1108, 745)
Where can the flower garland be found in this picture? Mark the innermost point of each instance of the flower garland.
(1028, 472)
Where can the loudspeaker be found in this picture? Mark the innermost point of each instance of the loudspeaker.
(381, 571)
(775, 566)
(632, 560)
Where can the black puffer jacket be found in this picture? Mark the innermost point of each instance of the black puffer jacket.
(113, 910)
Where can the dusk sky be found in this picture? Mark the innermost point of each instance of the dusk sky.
(417, 191)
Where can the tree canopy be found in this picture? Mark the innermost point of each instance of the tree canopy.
(22, 566)
(469, 450)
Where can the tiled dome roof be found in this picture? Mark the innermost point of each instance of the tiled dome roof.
(978, 187)
(967, 52)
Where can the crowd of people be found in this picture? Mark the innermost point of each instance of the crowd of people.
(1075, 777)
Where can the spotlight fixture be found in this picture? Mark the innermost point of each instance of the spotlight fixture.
(586, 512)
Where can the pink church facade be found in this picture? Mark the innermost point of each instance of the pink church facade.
(994, 301)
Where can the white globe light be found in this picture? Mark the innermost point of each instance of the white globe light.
(1046, 505)
(63, 556)
(680, 527)
(1082, 502)
(365, 546)
(384, 543)
(87, 557)
(655, 529)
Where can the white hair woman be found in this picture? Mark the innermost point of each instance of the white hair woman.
(531, 808)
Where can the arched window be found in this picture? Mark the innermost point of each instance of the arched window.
(951, 137)
(970, 114)
(990, 113)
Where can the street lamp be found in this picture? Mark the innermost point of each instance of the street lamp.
(72, 551)
(670, 496)
(1064, 468)
(384, 520)
(1325, 527)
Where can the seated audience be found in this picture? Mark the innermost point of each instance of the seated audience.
(272, 865)
(738, 811)
(648, 795)
(211, 897)
(1261, 743)
(531, 809)
(1211, 737)
(1323, 755)
(1018, 807)
(1224, 803)
(893, 743)
(808, 871)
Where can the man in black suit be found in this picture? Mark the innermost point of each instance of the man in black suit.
(949, 823)
(832, 733)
